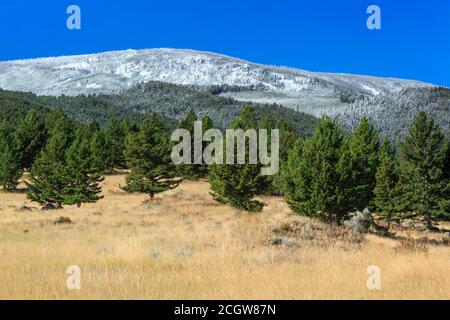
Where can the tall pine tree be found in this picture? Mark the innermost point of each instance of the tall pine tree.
(387, 177)
(422, 182)
(357, 167)
(10, 158)
(31, 137)
(148, 156)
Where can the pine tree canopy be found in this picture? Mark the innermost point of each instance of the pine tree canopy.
(148, 156)
(238, 184)
(423, 185)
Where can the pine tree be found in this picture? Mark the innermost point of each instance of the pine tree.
(194, 171)
(82, 182)
(447, 161)
(288, 138)
(422, 183)
(10, 159)
(238, 184)
(357, 167)
(115, 136)
(312, 180)
(31, 137)
(57, 121)
(48, 174)
(102, 157)
(148, 156)
(387, 177)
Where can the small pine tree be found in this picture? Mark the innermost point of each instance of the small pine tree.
(48, 174)
(422, 183)
(357, 167)
(312, 180)
(238, 184)
(83, 183)
(386, 189)
(148, 156)
(31, 137)
(10, 159)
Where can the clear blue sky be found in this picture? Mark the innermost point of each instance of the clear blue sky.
(319, 35)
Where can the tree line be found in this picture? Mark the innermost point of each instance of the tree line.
(326, 176)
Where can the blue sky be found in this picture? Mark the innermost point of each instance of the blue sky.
(320, 35)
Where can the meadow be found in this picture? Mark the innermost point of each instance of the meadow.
(184, 245)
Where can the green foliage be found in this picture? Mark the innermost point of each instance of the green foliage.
(10, 159)
(288, 138)
(148, 156)
(424, 189)
(48, 174)
(357, 167)
(194, 171)
(387, 177)
(31, 137)
(116, 136)
(102, 157)
(312, 179)
(82, 181)
(238, 184)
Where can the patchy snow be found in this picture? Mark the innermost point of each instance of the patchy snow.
(115, 71)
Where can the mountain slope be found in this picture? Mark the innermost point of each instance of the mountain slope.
(130, 81)
(115, 71)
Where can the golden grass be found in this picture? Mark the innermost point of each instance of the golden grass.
(186, 246)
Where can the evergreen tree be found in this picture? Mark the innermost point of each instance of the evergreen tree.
(194, 171)
(91, 129)
(422, 183)
(447, 161)
(10, 159)
(57, 121)
(82, 182)
(115, 136)
(357, 167)
(48, 174)
(386, 189)
(102, 157)
(288, 138)
(238, 184)
(312, 179)
(148, 156)
(31, 137)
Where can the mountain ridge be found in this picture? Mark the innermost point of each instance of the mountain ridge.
(112, 71)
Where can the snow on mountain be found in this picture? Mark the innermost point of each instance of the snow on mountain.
(115, 71)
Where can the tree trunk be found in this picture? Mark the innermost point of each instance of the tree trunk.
(79, 205)
(429, 221)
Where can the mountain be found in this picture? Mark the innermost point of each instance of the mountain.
(343, 96)
(115, 71)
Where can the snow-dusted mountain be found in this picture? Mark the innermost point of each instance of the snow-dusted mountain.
(115, 71)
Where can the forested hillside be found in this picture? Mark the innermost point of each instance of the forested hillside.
(167, 100)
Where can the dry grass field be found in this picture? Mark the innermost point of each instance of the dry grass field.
(186, 246)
